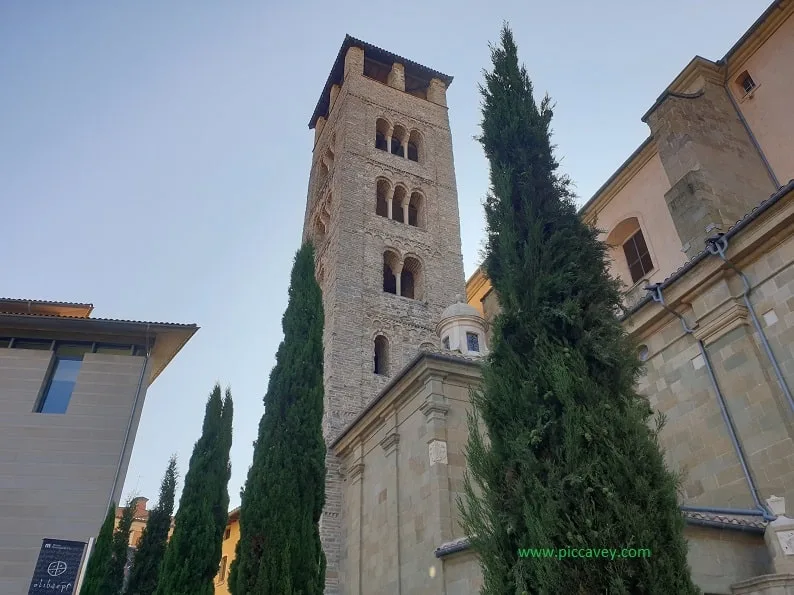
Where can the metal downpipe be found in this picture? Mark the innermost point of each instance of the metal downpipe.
(718, 246)
(129, 428)
(656, 294)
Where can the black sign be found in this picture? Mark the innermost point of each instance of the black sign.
(57, 567)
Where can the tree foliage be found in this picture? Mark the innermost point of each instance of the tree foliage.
(151, 546)
(100, 556)
(194, 551)
(279, 552)
(567, 458)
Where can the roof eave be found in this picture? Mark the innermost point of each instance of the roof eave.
(336, 76)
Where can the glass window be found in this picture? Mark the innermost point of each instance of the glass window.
(62, 380)
(5, 342)
(113, 349)
(473, 342)
(72, 350)
(446, 342)
(222, 571)
(140, 350)
(637, 257)
(41, 344)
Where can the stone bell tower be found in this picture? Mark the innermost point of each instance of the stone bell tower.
(382, 210)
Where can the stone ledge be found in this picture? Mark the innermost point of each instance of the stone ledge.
(452, 547)
(767, 584)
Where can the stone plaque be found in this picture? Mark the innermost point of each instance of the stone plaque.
(786, 540)
(438, 452)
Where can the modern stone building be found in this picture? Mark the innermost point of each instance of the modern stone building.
(72, 390)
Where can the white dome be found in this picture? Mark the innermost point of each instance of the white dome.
(460, 308)
(462, 328)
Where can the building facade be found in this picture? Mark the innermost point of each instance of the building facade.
(72, 390)
(700, 225)
(382, 211)
(230, 538)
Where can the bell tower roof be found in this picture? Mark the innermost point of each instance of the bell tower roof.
(412, 70)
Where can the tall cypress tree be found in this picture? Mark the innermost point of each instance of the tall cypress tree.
(101, 556)
(113, 581)
(152, 543)
(568, 459)
(194, 551)
(279, 552)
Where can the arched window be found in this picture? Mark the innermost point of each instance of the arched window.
(381, 134)
(414, 146)
(390, 264)
(381, 358)
(398, 141)
(322, 174)
(319, 231)
(637, 256)
(397, 204)
(382, 202)
(411, 279)
(629, 250)
(415, 210)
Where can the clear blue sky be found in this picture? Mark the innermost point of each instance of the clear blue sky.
(154, 156)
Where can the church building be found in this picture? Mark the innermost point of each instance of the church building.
(701, 224)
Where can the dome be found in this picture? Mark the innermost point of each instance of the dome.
(460, 308)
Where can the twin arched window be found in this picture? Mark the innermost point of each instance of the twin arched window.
(398, 140)
(399, 204)
(402, 277)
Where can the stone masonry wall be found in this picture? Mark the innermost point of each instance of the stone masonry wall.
(677, 384)
(350, 255)
(400, 494)
(715, 172)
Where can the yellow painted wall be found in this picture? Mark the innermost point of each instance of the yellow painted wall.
(227, 555)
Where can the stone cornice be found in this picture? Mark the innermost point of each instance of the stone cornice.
(403, 388)
(732, 316)
(757, 36)
(698, 67)
(390, 442)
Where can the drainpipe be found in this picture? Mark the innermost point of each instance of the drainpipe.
(718, 246)
(761, 510)
(129, 426)
(757, 146)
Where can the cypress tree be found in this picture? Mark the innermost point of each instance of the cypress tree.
(113, 581)
(279, 552)
(568, 458)
(194, 551)
(152, 543)
(100, 556)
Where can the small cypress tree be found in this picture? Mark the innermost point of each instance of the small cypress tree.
(152, 543)
(101, 555)
(194, 551)
(279, 552)
(113, 581)
(568, 459)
